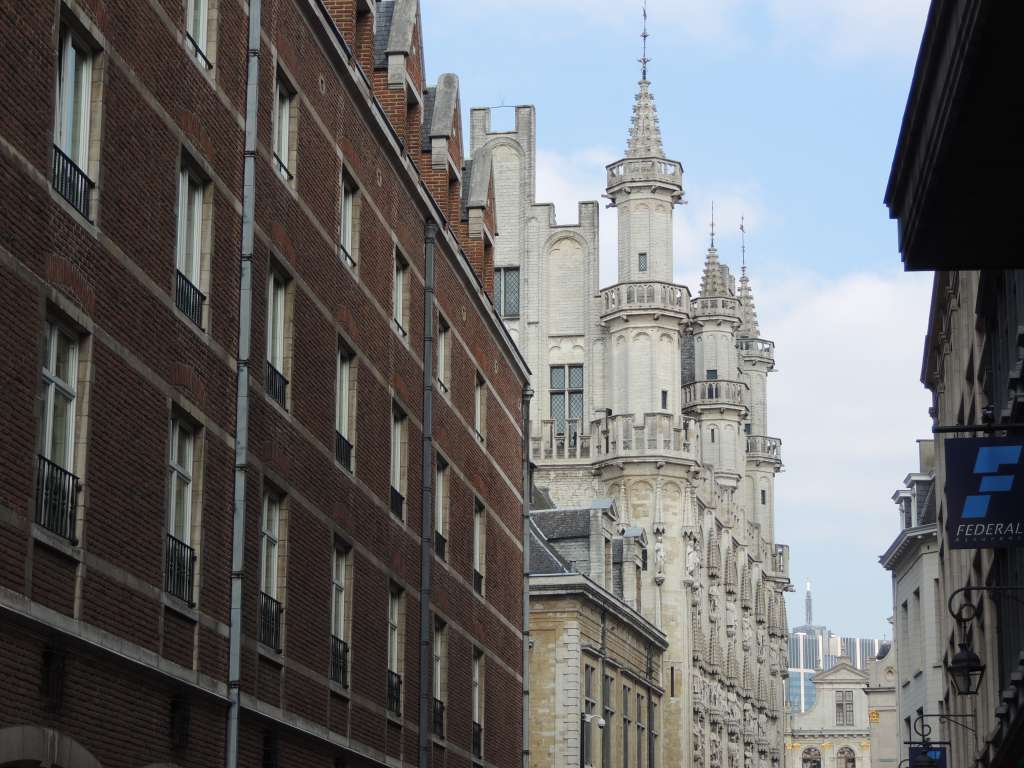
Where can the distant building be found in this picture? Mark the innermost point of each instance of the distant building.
(883, 717)
(814, 648)
(913, 560)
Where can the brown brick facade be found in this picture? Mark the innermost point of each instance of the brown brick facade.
(110, 653)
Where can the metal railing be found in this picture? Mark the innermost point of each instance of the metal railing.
(339, 661)
(394, 692)
(270, 621)
(478, 740)
(282, 168)
(345, 255)
(179, 576)
(198, 51)
(397, 502)
(56, 499)
(277, 384)
(478, 582)
(439, 718)
(189, 299)
(71, 182)
(440, 544)
(343, 451)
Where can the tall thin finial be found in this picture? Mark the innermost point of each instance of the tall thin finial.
(644, 61)
(712, 223)
(743, 242)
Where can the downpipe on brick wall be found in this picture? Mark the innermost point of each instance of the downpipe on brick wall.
(427, 507)
(527, 494)
(242, 391)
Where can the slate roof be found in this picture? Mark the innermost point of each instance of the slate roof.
(543, 557)
(563, 523)
(385, 13)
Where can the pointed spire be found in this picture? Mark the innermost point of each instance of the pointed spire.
(644, 61)
(644, 132)
(714, 281)
(748, 314)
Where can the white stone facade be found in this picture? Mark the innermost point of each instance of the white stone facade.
(668, 417)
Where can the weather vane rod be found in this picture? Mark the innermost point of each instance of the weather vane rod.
(712, 223)
(644, 61)
(743, 242)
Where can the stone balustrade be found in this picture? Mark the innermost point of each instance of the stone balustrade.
(760, 348)
(714, 392)
(715, 305)
(668, 297)
(645, 169)
(762, 447)
(614, 437)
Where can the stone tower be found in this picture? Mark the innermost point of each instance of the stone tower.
(657, 400)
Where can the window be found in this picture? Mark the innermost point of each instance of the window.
(652, 758)
(440, 652)
(567, 399)
(477, 702)
(187, 295)
(764, 496)
(506, 291)
(589, 708)
(643, 261)
(480, 408)
(342, 410)
(180, 554)
(398, 423)
(270, 595)
(73, 118)
(664, 399)
(398, 299)
(844, 708)
(640, 730)
(712, 374)
(285, 133)
(277, 384)
(441, 508)
(845, 758)
(444, 353)
(607, 711)
(347, 224)
(339, 618)
(394, 655)
(197, 24)
(712, 434)
(479, 522)
(57, 486)
(627, 724)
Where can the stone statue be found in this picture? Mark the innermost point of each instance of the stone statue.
(659, 557)
(713, 602)
(692, 561)
(748, 633)
(762, 644)
(730, 615)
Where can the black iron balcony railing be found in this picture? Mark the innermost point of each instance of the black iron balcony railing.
(198, 51)
(56, 498)
(71, 182)
(277, 384)
(282, 168)
(270, 621)
(478, 582)
(440, 544)
(343, 451)
(394, 692)
(339, 661)
(180, 570)
(397, 502)
(439, 718)
(189, 299)
(478, 740)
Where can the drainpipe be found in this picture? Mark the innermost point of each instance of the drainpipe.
(242, 387)
(527, 493)
(427, 523)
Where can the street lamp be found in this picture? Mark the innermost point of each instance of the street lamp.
(965, 671)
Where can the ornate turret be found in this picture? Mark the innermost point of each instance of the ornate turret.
(644, 131)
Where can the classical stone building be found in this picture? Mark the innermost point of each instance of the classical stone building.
(657, 400)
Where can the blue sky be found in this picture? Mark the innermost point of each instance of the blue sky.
(786, 112)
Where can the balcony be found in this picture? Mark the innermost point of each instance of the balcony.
(758, 349)
(56, 499)
(439, 718)
(180, 570)
(764, 448)
(343, 451)
(397, 503)
(715, 305)
(647, 296)
(478, 582)
(478, 740)
(646, 169)
(615, 437)
(71, 182)
(270, 621)
(277, 385)
(714, 392)
(440, 544)
(339, 661)
(189, 299)
(394, 693)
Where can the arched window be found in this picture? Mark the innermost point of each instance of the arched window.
(811, 758)
(845, 758)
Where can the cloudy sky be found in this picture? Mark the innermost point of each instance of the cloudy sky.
(785, 112)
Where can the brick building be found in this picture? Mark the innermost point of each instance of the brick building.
(261, 461)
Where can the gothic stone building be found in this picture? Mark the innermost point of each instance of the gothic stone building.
(657, 400)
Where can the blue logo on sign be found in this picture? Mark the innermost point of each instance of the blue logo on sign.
(990, 459)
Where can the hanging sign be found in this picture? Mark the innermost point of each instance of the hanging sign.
(927, 754)
(985, 492)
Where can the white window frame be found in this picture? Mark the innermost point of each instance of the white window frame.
(398, 294)
(476, 701)
(191, 190)
(54, 386)
(479, 403)
(478, 536)
(343, 384)
(270, 532)
(397, 438)
(276, 288)
(283, 97)
(438, 653)
(346, 224)
(338, 596)
(393, 615)
(181, 430)
(444, 334)
(74, 102)
(440, 496)
(198, 10)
